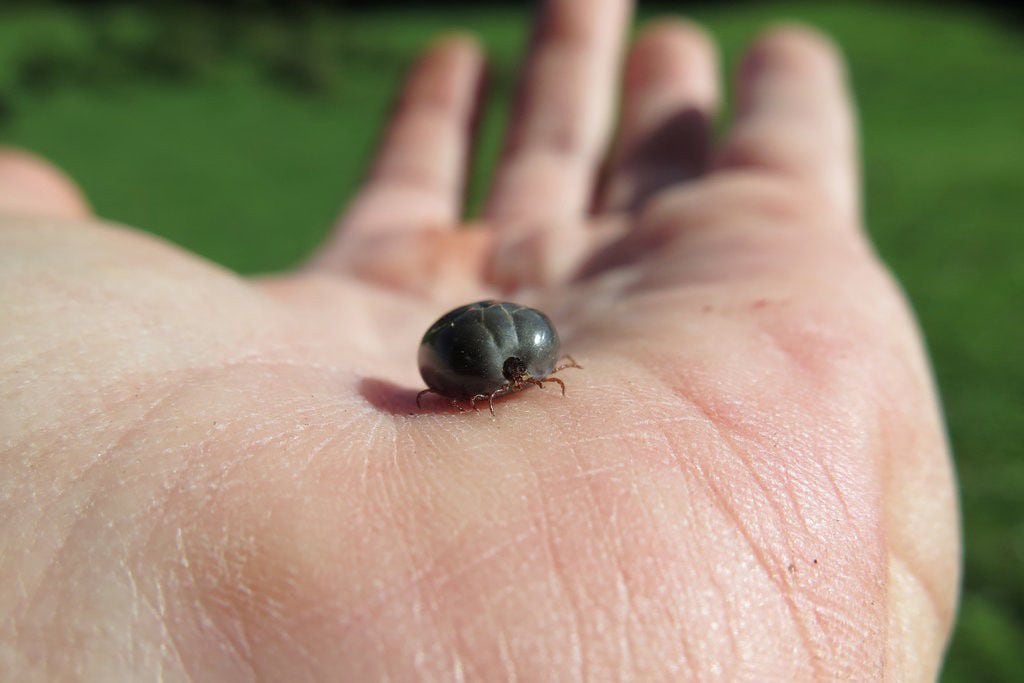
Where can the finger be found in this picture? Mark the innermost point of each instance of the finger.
(417, 179)
(795, 116)
(558, 133)
(670, 95)
(30, 185)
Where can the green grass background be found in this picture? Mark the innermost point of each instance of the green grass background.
(240, 135)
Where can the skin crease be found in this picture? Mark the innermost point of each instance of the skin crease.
(208, 477)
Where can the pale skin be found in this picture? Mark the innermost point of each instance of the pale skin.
(211, 477)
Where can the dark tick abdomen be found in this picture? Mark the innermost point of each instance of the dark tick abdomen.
(464, 353)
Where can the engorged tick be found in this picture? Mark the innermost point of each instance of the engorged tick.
(489, 349)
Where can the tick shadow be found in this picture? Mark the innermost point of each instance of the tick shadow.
(398, 400)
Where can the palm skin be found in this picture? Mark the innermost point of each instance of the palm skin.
(216, 478)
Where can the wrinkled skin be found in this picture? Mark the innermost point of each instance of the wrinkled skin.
(210, 477)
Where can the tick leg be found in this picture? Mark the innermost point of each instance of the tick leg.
(473, 400)
(538, 382)
(490, 400)
(571, 364)
(420, 395)
(557, 381)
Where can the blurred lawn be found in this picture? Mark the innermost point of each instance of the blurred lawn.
(238, 136)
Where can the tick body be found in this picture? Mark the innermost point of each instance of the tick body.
(488, 349)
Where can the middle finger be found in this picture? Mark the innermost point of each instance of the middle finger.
(558, 133)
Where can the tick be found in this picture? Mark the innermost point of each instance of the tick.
(489, 349)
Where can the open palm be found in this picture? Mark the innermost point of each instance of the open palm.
(207, 477)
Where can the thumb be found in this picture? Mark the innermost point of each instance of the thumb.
(33, 186)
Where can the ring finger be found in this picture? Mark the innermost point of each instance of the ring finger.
(670, 95)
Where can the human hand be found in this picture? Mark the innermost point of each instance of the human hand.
(210, 477)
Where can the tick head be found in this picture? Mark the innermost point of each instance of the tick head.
(514, 370)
